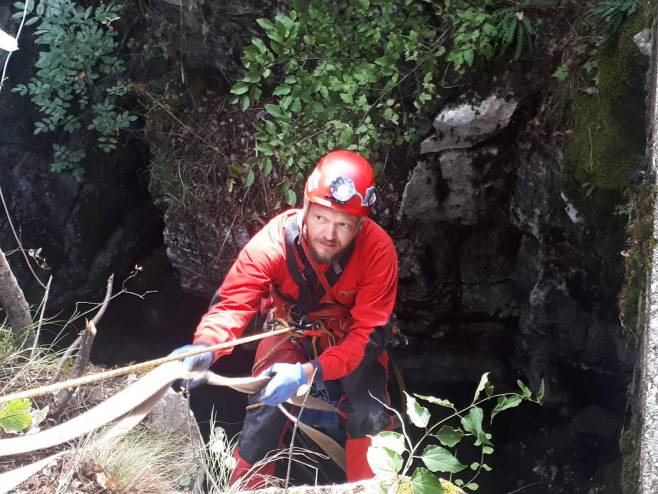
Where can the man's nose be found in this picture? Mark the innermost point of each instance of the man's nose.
(330, 232)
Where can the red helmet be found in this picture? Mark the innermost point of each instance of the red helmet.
(342, 180)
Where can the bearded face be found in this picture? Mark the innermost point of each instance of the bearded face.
(329, 232)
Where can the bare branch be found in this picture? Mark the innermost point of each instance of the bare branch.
(13, 302)
(43, 309)
(64, 396)
(96, 319)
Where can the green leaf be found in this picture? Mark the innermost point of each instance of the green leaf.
(15, 415)
(391, 440)
(436, 401)
(439, 459)
(248, 179)
(265, 148)
(487, 450)
(469, 56)
(424, 482)
(291, 197)
(265, 167)
(561, 73)
(274, 110)
(384, 462)
(449, 436)
(473, 424)
(524, 389)
(244, 102)
(472, 486)
(484, 380)
(540, 393)
(240, 88)
(258, 43)
(281, 90)
(364, 4)
(505, 402)
(418, 414)
(252, 76)
(265, 24)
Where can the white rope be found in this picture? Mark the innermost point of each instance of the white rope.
(13, 44)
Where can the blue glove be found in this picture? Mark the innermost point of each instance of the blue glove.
(286, 380)
(200, 362)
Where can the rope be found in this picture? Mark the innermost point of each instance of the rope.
(101, 376)
(129, 407)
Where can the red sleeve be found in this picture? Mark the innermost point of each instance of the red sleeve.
(374, 304)
(239, 296)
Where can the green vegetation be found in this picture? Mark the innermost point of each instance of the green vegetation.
(440, 439)
(77, 85)
(609, 129)
(637, 260)
(15, 415)
(630, 452)
(355, 77)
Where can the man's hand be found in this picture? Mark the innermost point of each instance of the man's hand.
(196, 363)
(286, 380)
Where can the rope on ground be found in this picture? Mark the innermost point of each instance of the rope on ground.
(128, 408)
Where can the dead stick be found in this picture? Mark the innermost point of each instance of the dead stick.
(73, 347)
(63, 396)
(100, 376)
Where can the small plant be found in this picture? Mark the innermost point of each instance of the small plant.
(15, 415)
(217, 456)
(439, 440)
(77, 85)
(144, 461)
(611, 14)
(561, 73)
(475, 35)
(515, 31)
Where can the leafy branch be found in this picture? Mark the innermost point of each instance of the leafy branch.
(77, 85)
(386, 453)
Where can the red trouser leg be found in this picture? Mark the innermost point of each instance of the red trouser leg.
(356, 461)
(252, 479)
(365, 415)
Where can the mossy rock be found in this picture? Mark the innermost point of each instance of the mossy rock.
(630, 468)
(609, 130)
(603, 150)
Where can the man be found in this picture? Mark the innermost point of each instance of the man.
(327, 266)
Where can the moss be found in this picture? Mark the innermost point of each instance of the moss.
(603, 150)
(630, 451)
(608, 130)
(639, 246)
(622, 67)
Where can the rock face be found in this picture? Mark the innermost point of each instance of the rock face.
(497, 259)
(86, 230)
